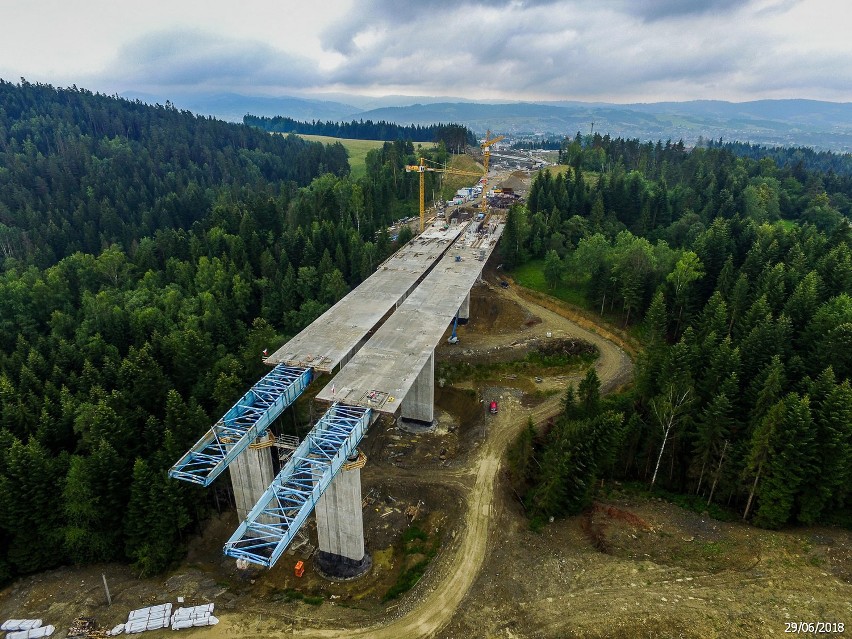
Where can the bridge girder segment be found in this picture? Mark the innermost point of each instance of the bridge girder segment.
(382, 374)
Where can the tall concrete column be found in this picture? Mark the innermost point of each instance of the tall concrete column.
(340, 528)
(464, 309)
(251, 474)
(419, 404)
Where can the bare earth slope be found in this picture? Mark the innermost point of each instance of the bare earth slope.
(633, 567)
(436, 607)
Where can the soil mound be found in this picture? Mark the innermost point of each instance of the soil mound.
(490, 313)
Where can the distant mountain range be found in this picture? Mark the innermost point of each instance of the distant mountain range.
(233, 106)
(823, 125)
(812, 123)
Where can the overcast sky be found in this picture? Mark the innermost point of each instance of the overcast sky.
(590, 50)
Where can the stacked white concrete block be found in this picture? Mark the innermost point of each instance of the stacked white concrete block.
(151, 618)
(26, 629)
(194, 617)
(35, 633)
(11, 625)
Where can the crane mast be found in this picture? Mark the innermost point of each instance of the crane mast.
(486, 156)
(422, 169)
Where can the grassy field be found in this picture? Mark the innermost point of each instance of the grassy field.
(556, 169)
(571, 291)
(590, 177)
(357, 151)
(531, 275)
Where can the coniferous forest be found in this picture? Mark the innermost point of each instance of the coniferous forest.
(452, 135)
(736, 274)
(147, 257)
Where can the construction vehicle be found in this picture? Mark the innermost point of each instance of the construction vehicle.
(454, 338)
(422, 169)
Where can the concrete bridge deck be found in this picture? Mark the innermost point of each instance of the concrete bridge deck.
(386, 368)
(338, 332)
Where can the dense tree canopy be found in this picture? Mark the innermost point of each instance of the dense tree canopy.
(738, 274)
(81, 171)
(454, 136)
(119, 347)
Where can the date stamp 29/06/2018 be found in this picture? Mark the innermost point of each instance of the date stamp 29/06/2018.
(814, 627)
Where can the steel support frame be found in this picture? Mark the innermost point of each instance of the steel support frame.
(288, 502)
(249, 418)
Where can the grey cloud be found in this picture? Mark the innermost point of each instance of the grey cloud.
(531, 43)
(776, 7)
(651, 10)
(572, 52)
(190, 59)
(383, 13)
(788, 74)
(580, 49)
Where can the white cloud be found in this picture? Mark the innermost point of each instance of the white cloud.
(616, 50)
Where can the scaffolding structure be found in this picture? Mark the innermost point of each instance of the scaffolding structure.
(277, 517)
(246, 420)
(286, 445)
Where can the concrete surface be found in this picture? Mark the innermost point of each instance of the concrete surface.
(251, 474)
(337, 334)
(340, 522)
(381, 374)
(419, 404)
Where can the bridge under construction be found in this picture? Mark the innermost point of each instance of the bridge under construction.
(378, 342)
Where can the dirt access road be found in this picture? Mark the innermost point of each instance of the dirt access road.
(441, 592)
(435, 610)
(634, 567)
(463, 493)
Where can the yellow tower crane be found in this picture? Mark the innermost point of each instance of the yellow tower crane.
(486, 156)
(421, 169)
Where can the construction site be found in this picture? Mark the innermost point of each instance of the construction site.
(630, 568)
(392, 517)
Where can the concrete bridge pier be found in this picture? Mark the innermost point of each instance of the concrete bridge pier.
(419, 403)
(251, 475)
(464, 309)
(340, 526)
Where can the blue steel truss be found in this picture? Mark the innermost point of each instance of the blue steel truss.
(293, 494)
(247, 419)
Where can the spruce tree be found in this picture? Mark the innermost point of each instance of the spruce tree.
(713, 429)
(790, 462)
(831, 405)
(589, 392)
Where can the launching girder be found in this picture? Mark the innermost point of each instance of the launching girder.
(285, 506)
(241, 425)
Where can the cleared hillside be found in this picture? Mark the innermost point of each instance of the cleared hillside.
(452, 183)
